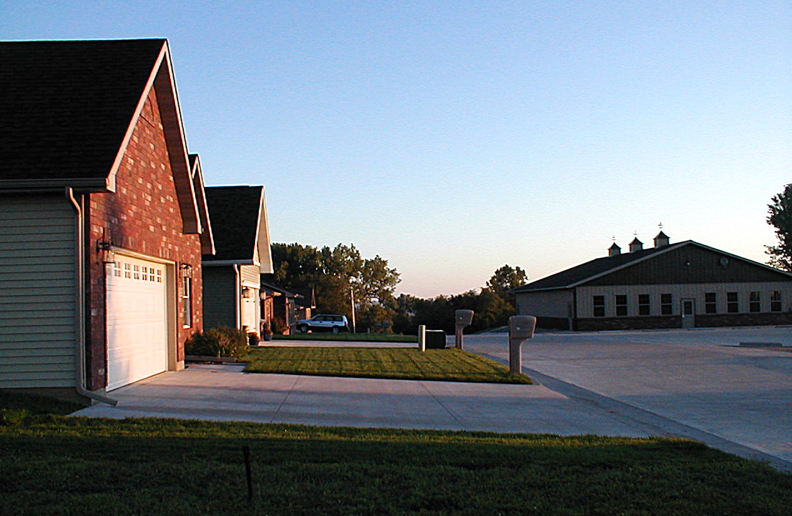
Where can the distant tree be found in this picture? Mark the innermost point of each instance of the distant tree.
(506, 278)
(333, 273)
(493, 305)
(780, 217)
(296, 265)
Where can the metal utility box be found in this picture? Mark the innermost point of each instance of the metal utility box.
(435, 339)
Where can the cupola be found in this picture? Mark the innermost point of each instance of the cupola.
(661, 240)
(636, 245)
(614, 250)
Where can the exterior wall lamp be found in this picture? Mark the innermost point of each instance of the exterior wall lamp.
(186, 270)
(106, 252)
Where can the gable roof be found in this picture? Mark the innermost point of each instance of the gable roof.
(69, 109)
(207, 239)
(599, 267)
(239, 222)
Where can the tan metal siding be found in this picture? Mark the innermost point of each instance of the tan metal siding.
(691, 291)
(37, 292)
(544, 304)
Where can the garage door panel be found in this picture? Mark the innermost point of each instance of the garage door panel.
(137, 333)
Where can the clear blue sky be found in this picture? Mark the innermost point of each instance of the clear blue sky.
(453, 137)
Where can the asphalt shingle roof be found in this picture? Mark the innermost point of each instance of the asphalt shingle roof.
(234, 212)
(591, 268)
(66, 105)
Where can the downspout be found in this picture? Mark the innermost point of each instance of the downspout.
(237, 294)
(81, 341)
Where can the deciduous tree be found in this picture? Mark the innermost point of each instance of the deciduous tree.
(779, 215)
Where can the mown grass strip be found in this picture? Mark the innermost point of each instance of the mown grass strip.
(349, 337)
(51, 464)
(396, 363)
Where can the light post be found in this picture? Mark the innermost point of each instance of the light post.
(352, 299)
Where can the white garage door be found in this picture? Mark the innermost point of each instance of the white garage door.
(137, 321)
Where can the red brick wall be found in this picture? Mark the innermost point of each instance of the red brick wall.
(142, 215)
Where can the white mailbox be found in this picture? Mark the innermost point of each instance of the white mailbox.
(521, 327)
(462, 319)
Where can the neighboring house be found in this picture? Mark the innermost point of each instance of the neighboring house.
(278, 306)
(101, 222)
(681, 285)
(232, 276)
(304, 303)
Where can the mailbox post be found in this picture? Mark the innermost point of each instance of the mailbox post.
(521, 327)
(422, 337)
(462, 318)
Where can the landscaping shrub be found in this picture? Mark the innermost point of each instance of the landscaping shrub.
(220, 342)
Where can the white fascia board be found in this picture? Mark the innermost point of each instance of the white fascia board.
(263, 244)
(111, 177)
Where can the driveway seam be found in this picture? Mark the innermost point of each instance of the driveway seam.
(285, 399)
(450, 413)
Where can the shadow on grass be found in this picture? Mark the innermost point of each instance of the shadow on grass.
(148, 466)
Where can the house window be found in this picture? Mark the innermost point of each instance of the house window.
(754, 302)
(621, 306)
(599, 306)
(644, 306)
(126, 271)
(136, 272)
(710, 303)
(732, 302)
(775, 301)
(159, 276)
(117, 269)
(666, 304)
(186, 308)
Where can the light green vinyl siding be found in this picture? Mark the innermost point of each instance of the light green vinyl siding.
(219, 293)
(37, 292)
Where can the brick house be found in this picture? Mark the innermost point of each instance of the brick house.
(682, 285)
(103, 217)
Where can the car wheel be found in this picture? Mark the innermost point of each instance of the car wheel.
(303, 328)
(336, 329)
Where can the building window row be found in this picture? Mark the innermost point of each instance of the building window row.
(621, 303)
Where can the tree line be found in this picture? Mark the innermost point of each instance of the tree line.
(340, 274)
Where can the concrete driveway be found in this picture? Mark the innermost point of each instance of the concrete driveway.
(697, 383)
(225, 393)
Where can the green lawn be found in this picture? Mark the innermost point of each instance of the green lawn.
(401, 363)
(51, 464)
(350, 337)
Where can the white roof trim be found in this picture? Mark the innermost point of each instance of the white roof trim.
(111, 177)
(263, 244)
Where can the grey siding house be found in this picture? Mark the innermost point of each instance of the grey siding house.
(232, 276)
(682, 285)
